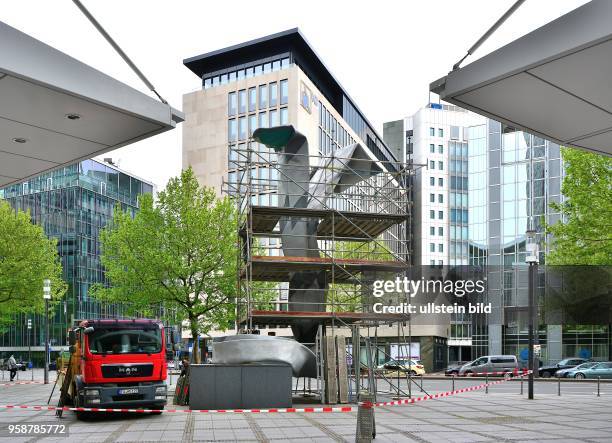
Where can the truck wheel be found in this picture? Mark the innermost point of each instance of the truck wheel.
(81, 415)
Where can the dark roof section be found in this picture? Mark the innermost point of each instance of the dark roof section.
(292, 41)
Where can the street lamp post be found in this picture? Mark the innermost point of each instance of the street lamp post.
(532, 259)
(47, 297)
(30, 348)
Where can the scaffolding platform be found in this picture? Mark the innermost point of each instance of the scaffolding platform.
(332, 222)
(288, 318)
(280, 268)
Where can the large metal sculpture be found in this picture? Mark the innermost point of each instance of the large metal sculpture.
(299, 188)
(250, 348)
(301, 185)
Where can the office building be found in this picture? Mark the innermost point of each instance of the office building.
(274, 80)
(514, 178)
(72, 204)
(435, 140)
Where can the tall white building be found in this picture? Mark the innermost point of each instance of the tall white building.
(436, 138)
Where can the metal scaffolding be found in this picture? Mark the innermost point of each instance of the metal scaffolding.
(358, 231)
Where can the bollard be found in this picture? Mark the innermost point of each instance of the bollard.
(598, 380)
(558, 386)
(486, 383)
(522, 378)
(366, 424)
(453, 375)
(421, 382)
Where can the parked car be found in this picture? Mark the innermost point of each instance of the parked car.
(563, 373)
(454, 369)
(393, 368)
(506, 364)
(549, 370)
(602, 369)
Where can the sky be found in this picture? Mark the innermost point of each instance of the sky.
(385, 53)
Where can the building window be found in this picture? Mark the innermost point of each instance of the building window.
(440, 215)
(242, 128)
(440, 132)
(454, 132)
(440, 149)
(284, 92)
(231, 130)
(263, 121)
(432, 164)
(432, 198)
(432, 230)
(432, 148)
(273, 118)
(252, 124)
(440, 165)
(231, 104)
(432, 181)
(432, 214)
(432, 247)
(284, 116)
(440, 198)
(242, 101)
(252, 99)
(273, 94)
(441, 231)
(440, 247)
(432, 262)
(440, 262)
(263, 96)
(432, 132)
(440, 182)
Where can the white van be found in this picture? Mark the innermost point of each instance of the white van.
(506, 364)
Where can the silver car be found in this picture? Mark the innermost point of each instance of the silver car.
(502, 364)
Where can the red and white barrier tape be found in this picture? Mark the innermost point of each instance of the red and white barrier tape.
(262, 411)
(515, 373)
(187, 411)
(433, 396)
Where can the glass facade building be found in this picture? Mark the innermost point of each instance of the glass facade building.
(513, 179)
(72, 204)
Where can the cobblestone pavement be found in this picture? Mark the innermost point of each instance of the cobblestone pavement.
(469, 417)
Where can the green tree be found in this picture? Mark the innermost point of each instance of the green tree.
(584, 236)
(179, 252)
(349, 297)
(27, 257)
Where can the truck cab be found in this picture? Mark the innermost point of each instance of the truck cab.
(119, 364)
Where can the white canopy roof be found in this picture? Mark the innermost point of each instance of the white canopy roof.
(55, 110)
(555, 82)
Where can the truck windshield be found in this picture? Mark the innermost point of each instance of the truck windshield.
(125, 341)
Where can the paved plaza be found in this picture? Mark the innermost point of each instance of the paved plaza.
(502, 415)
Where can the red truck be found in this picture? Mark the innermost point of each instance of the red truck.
(117, 364)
